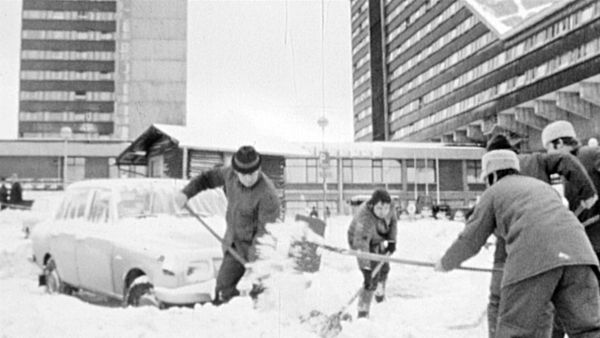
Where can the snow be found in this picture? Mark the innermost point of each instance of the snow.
(420, 302)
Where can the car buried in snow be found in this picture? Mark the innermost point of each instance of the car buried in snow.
(127, 240)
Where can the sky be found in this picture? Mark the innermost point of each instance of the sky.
(255, 67)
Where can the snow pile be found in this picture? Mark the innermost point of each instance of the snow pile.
(420, 302)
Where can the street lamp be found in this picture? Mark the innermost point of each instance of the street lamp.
(324, 161)
(65, 134)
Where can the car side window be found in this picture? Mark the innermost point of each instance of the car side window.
(76, 204)
(100, 208)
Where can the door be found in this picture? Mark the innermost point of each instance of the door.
(94, 248)
(65, 232)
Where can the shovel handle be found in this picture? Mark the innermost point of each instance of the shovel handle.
(231, 250)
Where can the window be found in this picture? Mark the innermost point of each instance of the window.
(473, 171)
(362, 171)
(377, 171)
(392, 171)
(347, 171)
(75, 204)
(423, 173)
(99, 210)
(311, 171)
(295, 170)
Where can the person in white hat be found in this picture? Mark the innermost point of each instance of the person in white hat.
(540, 166)
(549, 258)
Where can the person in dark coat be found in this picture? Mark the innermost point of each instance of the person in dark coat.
(313, 212)
(16, 192)
(373, 229)
(3, 194)
(549, 258)
(252, 202)
(540, 166)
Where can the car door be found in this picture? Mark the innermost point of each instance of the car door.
(94, 250)
(64, 233)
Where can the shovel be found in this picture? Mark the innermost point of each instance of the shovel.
(231, 250)
(332, 325)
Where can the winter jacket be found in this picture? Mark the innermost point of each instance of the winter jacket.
(539, 232)
(248, 209)
(590, 158)
(367, 232)
(541, 166)
(16, 193)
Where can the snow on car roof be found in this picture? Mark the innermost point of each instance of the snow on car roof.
(113, 183)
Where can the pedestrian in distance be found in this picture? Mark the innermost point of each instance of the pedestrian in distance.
(16, 192)
(252, 202)
(540, 166)
(549, 258)
(373, 229)
(3, 194)
(313, 212)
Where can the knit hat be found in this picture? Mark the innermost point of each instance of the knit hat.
(556, 130)
(246, 160)
(380, 195)
(497, 160)
(499, 141)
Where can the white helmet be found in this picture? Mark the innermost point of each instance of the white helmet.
(556, 130)
(497, 160)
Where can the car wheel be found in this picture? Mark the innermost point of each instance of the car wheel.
(141, 293)
(53, 282)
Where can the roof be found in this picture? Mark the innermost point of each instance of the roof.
(203, 139)
(508, 17)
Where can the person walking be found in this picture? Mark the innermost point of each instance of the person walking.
(16, 192)
(252, 202)
(540, 166)
(549, 258)
(373, 229)
(3, 194)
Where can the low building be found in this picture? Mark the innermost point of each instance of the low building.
(443, 174)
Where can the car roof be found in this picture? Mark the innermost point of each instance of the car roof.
(114, 183)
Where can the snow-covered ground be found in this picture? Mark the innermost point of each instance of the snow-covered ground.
(420, 303)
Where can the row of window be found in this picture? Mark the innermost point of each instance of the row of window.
(579, 54)
(410, 19)
(65, 75)
(421, 33)
(75, 136)
(362, 79)
(363, 132)
(372, 171)
(69, 15)
(67, 55)
(67, 35)
(536, 41)
(438, 68)
(65, 116)
(361, 10)
(364, 113)
(365, 95)
(363, 25)
(365, 41)
(66, 96)
(362, 61)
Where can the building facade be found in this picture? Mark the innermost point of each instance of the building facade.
(105, 69)
(459, 71)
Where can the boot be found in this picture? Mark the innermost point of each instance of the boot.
(380, 292)
(363, 314)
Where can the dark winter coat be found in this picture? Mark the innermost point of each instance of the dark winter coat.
(16, 193)
(3, 194)
(590, 158)
(367, 232)
(541, 166)
(540, 233)
(248, 209)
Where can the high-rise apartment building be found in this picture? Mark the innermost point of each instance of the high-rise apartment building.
(459, 71)
(105, 69)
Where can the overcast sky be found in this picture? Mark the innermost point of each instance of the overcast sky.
(254, 67)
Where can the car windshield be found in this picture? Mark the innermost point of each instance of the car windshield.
(143, 201)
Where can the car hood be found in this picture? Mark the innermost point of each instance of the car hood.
(169, 232)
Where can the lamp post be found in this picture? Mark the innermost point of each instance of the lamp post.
(324, 161)
(65, 134)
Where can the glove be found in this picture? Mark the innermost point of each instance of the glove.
(391, 247)
(368, 283)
